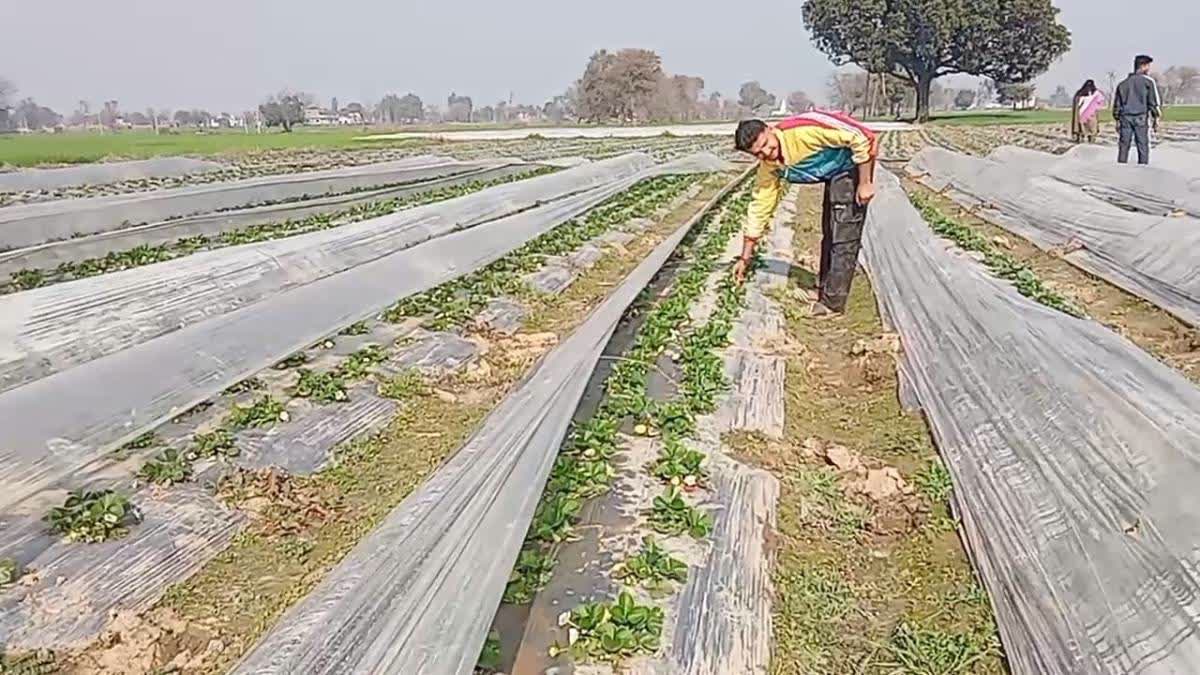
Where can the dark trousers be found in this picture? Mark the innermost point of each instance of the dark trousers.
(1136, 129)
(842, 220)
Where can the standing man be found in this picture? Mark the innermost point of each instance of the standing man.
(1135, 108)
(815, 147)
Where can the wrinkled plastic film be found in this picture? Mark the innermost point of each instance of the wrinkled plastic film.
(50, 329)
(418, 594)
(32, 224)
(109, 400)
(76, 249)
(1073, 454)
(24, 180)
(1152, 256)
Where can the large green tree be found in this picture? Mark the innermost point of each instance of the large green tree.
(921, 40)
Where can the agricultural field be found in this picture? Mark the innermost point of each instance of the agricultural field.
(900, 146)
(499, 406)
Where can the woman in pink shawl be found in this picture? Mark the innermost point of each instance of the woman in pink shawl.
(1085, 113)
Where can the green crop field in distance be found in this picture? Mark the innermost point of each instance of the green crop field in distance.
(81, 147)
(1176, 113)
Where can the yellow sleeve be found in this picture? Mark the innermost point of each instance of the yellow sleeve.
(859, 144)
(763, 200)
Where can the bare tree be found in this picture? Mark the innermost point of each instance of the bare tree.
(798, 102)
(618, 85)
(754, 98)
(1179, 85)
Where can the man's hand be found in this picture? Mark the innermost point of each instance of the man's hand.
(866, 192)
(742, 266)
(739, 270)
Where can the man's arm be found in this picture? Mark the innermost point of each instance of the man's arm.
(863, 152)
(1153, 104)
(764, 200)
(1116, 108)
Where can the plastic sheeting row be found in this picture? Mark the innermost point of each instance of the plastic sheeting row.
(1074, 457)
(33, 224)
(419, 593)
(52, 254)
(1152, 256)
(109, 172)
(59, 427)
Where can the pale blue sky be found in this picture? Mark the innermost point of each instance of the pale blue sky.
(227, 54)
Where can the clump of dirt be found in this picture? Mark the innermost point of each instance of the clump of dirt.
(277, 503)
(158, 641)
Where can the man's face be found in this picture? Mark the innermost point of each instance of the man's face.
(766, 146)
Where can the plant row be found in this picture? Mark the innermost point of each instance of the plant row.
(1001, 264)
(148, 254)
(452, 304)
(93, 516)
(611, 631)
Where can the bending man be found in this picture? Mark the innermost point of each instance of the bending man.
(815, 147)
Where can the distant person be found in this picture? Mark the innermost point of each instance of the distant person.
(814, 147)
(1136, 108)
(1085, 113)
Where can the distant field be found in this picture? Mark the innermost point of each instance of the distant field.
(1181, 113)
(82, 147)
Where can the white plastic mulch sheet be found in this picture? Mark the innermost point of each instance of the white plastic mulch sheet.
(1155, 257)
(1075, 458)
(419, 593)
(32, 224)
(1154, 189)
(95, 174)
(52, 254)
(58, 428)
(47, 330)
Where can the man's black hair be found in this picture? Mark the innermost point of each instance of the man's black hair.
(747, 132)
(1141, 60)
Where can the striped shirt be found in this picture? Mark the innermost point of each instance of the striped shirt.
(816, 146)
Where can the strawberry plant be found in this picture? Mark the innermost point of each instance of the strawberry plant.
(146, 440)
(246, 385)
(263, 412)
(10, 571)
(357, 328)
(611, 632)
(532, 572)
(489, 656)
(323, 387)
(672, 515)
(169, 467)
(93, 516)
(214, 443)
(678, 464)
(358, 365)
(652, 566)
(553, 518)
(297, 359)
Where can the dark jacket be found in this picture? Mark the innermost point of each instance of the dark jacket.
(1136, 95)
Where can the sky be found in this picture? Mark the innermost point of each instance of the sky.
(227, 55)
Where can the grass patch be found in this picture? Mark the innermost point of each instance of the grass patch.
(850, 571)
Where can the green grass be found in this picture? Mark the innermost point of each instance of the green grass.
(1176, 113)
(83, 147)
